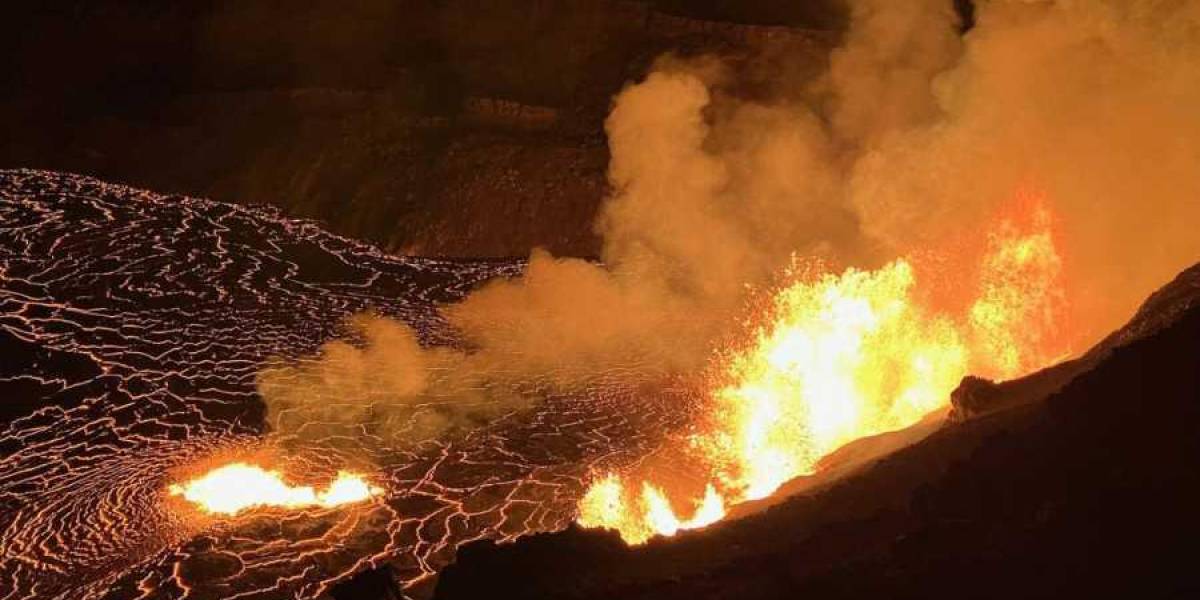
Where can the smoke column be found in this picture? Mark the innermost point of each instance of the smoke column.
(911, 137)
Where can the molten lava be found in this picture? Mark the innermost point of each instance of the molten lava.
(605, 505)
(1016, 318)
(841, 357)
(235, 487)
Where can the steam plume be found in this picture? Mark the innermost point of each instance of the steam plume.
(911, 138)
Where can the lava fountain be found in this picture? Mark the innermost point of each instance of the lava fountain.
(233, 488)
(843, 356)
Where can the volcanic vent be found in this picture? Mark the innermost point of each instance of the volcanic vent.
(1045, 488)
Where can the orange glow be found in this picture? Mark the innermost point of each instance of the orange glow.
(607, 505)
(1016, 320)
(236, 487)
(844, 356)
(847, 356)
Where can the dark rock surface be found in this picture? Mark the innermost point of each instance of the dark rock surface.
(405, 122)
(1090, 491)
(378, 584)
(973, 396)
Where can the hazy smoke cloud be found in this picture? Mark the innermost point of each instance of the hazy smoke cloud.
(912, 137)
(1089, 103)
(386, 386)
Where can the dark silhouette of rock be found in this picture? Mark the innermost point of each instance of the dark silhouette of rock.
(373, 584)
(972, 396)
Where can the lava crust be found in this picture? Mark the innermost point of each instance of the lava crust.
(131, 331)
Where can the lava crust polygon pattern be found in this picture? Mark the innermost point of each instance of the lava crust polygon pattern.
(132, 327)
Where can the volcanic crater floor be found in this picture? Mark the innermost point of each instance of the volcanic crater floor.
(132, 328)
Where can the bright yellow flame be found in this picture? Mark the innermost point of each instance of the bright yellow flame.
(235, 487)
(844, 357)
(1020, 302)
(847, 356)
(638, 519)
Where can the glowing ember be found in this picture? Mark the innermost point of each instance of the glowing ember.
(843, 357)
(848, 356)
(1020, 302)
(605, 505)
(236, 487)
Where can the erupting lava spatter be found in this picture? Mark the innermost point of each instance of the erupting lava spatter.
(235, 487)
(1016, 318)
(842, 357)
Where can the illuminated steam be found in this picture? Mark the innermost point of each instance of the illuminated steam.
(910, 141)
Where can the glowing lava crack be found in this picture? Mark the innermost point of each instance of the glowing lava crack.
(132, 328)
(236, 487)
